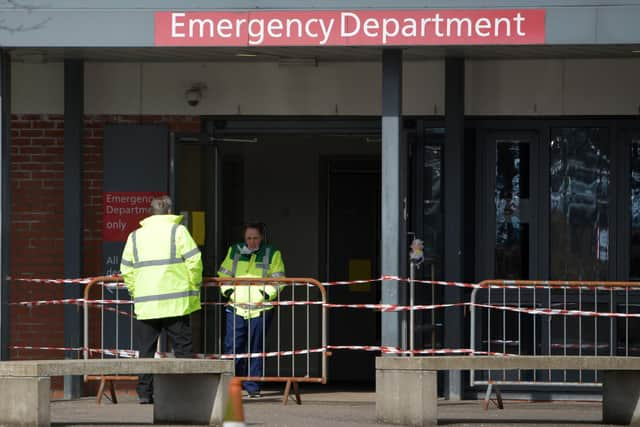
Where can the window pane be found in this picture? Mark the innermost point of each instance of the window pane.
(432, 210)
(579, 225)
(512, 231)
(634, 271)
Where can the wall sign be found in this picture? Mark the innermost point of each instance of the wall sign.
(351, 28)
(122, 212)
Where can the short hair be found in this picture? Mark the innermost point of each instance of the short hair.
(161, 205)
(260, 226)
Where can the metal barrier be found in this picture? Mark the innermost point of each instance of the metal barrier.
(537, 318)
(299, 355)
(115, 327)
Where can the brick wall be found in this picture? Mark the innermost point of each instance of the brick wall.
(37, 217)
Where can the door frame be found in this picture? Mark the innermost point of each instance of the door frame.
(485, 199)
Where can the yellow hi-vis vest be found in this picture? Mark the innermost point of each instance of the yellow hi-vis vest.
(162, 268)
(265, 262)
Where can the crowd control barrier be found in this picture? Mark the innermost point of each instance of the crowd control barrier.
(294, 348)
(553, 318)
(534, 318)
(108, 314)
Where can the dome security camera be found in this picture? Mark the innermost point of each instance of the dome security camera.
(194, 94)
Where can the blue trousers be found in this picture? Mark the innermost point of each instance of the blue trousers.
(240, 329)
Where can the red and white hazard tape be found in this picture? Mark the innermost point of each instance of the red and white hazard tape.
(381, 307)
(108, 352)
(506, 284)
(556, 311)
(80, 281)
(77, 301)
(374, 348)
(49, 302)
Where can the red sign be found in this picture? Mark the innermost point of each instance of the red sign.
(122, 212)
(351, 28)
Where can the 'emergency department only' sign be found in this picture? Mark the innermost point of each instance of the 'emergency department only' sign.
(351, 28)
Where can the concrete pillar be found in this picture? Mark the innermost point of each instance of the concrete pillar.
(73, 136)
(454, 212)
(193, 399)
(393, 158)
(406, 396)
(621, 398)
(24, 401)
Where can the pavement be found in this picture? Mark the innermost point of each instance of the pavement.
(324, 406)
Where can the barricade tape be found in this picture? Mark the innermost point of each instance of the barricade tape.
(76, 301)
(381, 307)
(108, 352)
(512, 284)
(506, 284)
(374, 348)
(555, 311)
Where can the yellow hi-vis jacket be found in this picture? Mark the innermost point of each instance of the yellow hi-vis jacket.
(265, 262)
(162, 268)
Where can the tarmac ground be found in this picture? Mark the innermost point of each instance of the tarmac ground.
(324, 406)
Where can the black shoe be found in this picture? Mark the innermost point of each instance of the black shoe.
(146, 401)
(254, 394)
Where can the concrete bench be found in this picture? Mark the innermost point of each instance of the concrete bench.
(185, 390)
(406, 387)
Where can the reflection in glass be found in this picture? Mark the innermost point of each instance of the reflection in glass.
(634, 271)
(512, 188)
(579, 227)
(432, 218)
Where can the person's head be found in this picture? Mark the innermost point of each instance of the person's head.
(253, 234)
(161, 205)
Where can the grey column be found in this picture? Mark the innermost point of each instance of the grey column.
(454, 212)
(393, 325)
(73, 222)
(5, 201)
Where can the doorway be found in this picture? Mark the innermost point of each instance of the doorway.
(351, 223)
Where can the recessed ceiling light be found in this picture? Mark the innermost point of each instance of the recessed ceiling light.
(242, 54)
(635, 51)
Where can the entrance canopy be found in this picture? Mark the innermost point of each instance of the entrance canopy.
(143, 23)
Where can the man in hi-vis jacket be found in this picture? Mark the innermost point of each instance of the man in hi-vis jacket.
(162, 268)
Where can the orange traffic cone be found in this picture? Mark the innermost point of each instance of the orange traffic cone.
(234, 417)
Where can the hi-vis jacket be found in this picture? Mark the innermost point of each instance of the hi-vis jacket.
(162, 268)
(265, 262)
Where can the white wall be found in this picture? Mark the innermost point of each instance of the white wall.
(553, 87)
(493, 87)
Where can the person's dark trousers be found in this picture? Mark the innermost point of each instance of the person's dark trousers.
(238, 327)
(146, 333)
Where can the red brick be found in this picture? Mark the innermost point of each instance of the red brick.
(56, 133)
(31, 132)
(20, 124)
(44, 124)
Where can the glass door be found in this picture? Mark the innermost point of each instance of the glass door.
(509, 200)
(579, 192)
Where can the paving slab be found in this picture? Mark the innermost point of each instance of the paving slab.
(324, 406)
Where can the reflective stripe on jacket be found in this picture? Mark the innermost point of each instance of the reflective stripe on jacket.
(265, 262)
(162, 268)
